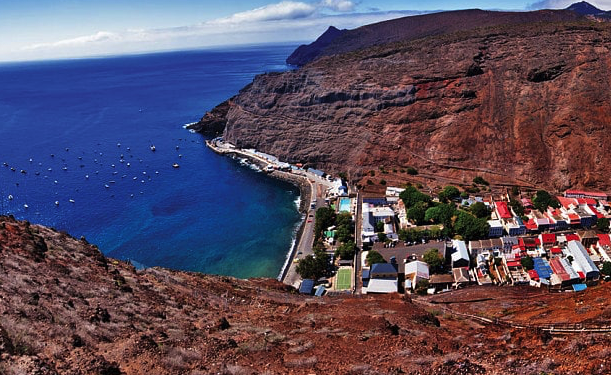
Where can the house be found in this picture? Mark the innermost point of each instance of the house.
(383, 270)
(382, 279)
(563, 273)
(461, 276)
(604, 247)
(540, 220)
(547, 240)
(496, 228)
(414, 272)
(460, 255)
(393, 191)
(475, 247)
(306, 287)
(583, 261)
(587, 238)
(375, 200)
(382, 286)
(371, 216)
(441, 282)
(502, 210)
(316, 172)
(585, 194)
(508, 243)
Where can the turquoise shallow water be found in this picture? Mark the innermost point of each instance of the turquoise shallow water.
(99, 117)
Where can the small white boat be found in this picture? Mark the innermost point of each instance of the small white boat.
(152, 147)
(26, 206)
(175, 165)
(65, 168)
(106, 186)
(57, 203)
(118, 145)
(86, 176)
(10, 197)
(71, 200)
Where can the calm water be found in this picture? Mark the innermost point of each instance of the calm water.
(87, 126)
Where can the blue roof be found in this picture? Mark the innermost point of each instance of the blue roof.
(307, 286)
(579, 287)
(542, 267)
(383, 268)
(365, 274)
(319, 291)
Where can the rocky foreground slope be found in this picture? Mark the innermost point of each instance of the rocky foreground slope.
(66, 309)
(521, 103)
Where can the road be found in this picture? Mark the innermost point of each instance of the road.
(358, 223)
(306, 241)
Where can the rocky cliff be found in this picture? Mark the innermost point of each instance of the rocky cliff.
(525, 104)
(66, 309)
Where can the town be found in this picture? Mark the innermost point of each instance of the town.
(407, 241)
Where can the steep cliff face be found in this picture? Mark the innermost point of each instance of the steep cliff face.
(527, 104)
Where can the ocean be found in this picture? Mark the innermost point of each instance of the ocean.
(75, 154)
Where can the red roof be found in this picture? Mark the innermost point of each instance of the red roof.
(514, 263)
(566, 202)
(575, 219)
(531, 225)
(548, 238)
(598, 214)
(503, 211)
(596, 194)
(558, 269)
(556, 250)
(533, 274)
(581, 275)
(603, 240)
(572, 237)
(590, 201)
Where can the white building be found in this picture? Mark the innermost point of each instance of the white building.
(496, 228)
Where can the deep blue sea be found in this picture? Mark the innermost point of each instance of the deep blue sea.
(81, 131)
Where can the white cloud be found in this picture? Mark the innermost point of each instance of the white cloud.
(286, 21)
(338, 5)
(272, 12)
(100, 36)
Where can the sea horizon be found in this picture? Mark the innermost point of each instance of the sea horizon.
(103, 114)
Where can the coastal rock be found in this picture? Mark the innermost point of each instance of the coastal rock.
(521, 105)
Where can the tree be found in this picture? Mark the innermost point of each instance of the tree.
(515, 191)
(433, 259)
(435, 232)
(421, 287)
(479, 180)
(346, 250)
(479, 210)
(517, 207)
(374, 257)
(379, 226)
(313, 266)
(417, 212)
(606, 270)
(412, 171)
(471, 228)
(325, 217)
(603, 224)
(441, 213)
(542, 200)
(527, 263)
(343, 234)
(448, 193)
(382, 237)
(410, 196)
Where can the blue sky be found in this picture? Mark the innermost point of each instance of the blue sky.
(43, 29)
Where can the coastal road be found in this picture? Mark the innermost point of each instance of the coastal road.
(306, 240)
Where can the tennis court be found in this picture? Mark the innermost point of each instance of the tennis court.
(343, 279)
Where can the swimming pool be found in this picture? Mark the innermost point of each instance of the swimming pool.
(344, 205)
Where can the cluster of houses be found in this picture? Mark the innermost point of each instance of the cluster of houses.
(387, 209)
(561, 252)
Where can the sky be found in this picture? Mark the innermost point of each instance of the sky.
(49, 29)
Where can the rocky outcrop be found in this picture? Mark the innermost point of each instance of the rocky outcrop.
(524, 105)
(306, 53)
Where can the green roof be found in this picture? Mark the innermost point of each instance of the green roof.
(330, 233)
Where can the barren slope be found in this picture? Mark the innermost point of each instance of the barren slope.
(67, 309)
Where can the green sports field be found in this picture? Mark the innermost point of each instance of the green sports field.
(343, 279)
